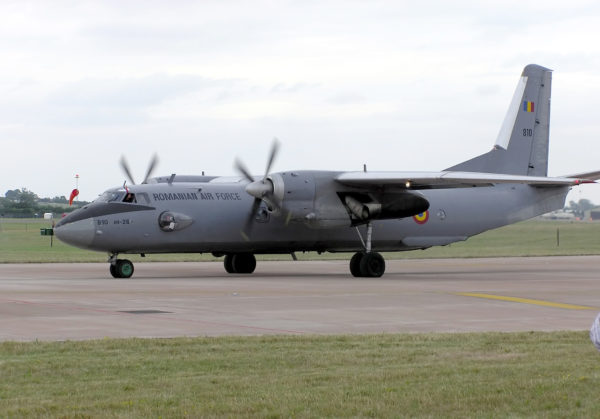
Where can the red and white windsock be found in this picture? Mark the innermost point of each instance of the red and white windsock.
(74, 193)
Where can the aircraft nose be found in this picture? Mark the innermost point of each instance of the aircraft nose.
(77, 233)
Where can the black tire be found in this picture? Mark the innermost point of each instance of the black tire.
(244, 263)
(113, 271)
(124, 268)
(228, 262)
(372, 265)
(355, 264)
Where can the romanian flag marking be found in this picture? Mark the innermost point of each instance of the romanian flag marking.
(528, 106)
(421, 218)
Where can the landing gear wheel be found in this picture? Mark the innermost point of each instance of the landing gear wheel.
(123, 268)
(372, 265)
(228, 262)
(240, 263)
(244, 263)
(113, 270)
(355, 264)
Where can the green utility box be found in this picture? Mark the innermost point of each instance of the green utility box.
(47, 231)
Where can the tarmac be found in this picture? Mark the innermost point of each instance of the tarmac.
(74, 301)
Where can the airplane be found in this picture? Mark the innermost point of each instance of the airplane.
(363, 212)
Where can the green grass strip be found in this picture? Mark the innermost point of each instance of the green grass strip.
(418, 375)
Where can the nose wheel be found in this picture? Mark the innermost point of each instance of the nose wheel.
(120, 268)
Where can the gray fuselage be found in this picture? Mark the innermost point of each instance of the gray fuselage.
(211, 216)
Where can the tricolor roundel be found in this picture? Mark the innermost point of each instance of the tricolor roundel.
(421, 218)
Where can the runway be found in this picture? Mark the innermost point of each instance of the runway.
(82, 301)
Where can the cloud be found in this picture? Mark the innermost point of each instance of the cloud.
(347, 98)
(121, 100)
(130, 92)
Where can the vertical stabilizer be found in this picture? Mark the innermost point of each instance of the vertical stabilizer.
(522, 144)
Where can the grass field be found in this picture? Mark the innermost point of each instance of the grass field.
(442, 375)
(20, 241)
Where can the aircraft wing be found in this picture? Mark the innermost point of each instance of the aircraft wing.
(449, 179)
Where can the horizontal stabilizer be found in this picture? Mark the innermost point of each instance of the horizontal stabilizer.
(587, 175)
(447, 179)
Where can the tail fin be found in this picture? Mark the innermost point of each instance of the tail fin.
(522, 144)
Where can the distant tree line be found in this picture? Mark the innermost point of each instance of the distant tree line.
(580, 207)
(22, 203)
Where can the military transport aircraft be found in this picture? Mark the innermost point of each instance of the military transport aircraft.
(306, 210)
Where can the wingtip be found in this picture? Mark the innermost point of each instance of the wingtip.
(589, 177)
(584, 181)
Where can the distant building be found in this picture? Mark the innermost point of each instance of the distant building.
(560, 215)
(595, 214)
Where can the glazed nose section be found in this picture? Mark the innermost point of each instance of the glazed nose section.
(77, 233)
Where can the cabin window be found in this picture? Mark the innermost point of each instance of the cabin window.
(142, 198)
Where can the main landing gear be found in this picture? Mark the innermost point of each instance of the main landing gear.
(120, 268)
(367, 264)
(240, 263)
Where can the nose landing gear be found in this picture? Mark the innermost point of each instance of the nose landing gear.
(120, 268)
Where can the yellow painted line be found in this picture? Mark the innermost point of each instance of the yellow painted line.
(526, 301)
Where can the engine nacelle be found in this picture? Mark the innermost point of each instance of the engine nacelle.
(318, 201)
(310, 198)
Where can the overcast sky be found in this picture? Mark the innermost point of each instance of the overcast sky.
(396, 85)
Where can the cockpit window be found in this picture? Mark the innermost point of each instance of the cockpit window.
(129, 197)
(110, 196)
(114, 197)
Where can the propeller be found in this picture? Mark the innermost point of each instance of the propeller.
(262, 190)
(151, 167)
(125, 168)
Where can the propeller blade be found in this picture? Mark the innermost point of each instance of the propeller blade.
(239, 166)
(151, 167)
(125, 168)
(273, 154)
(249, 221)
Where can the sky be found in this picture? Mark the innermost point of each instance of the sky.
(396, 85)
